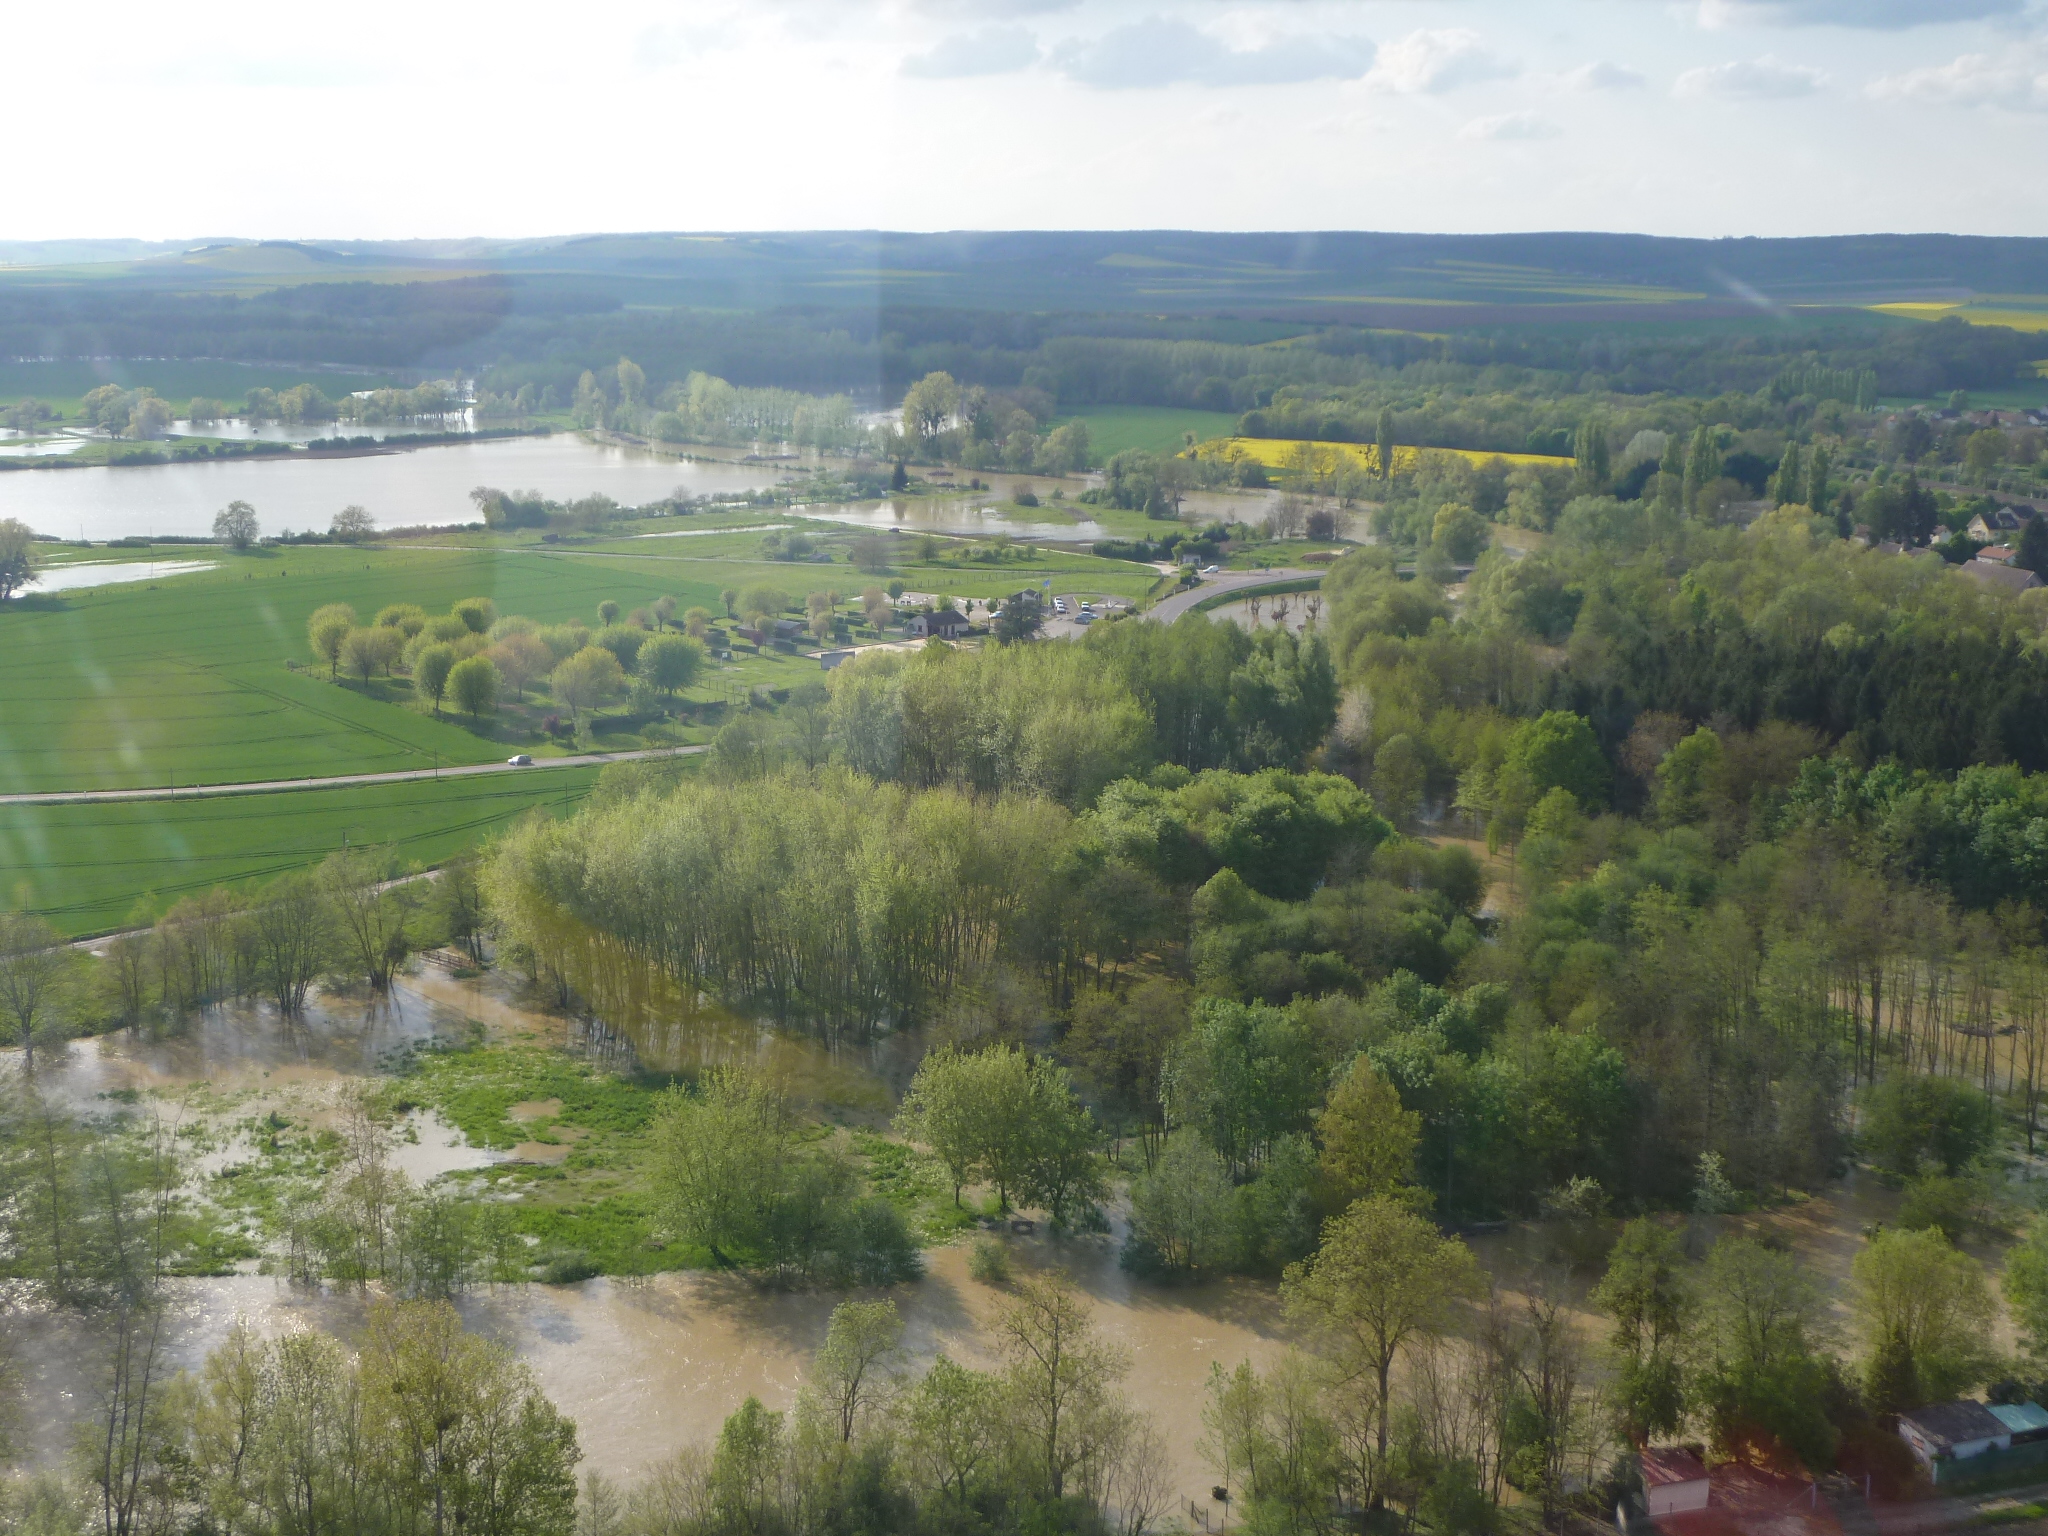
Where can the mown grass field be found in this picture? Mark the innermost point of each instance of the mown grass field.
(130, 686)
(1155, 429)
(185, 680)
(87, 867)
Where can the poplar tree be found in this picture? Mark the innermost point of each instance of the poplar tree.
(1383, 442)
(1671, 472)
(1702, 466)
(1788, 484)
(1589, 455)
(1817, 479)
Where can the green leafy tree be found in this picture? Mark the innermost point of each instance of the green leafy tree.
(1765, 1381)
(1818, 469)
(430, 672)
(325, 631)
(1382, 1280)
(587, 679)
(930, 403)
(1368, 1138)
(1915, 1296)
(1383, 443)
(1558, 750)
(720, 1156)
(1181, 1207)
(862, 1341)
(2025, 1283)
(32, 965)
(1646, 1293)
(1059, 1379)
(478, 614)
(1790, 483)
(235, 525)
(1590, 456)
(474, 685)
(672, 662)
(1913, 1121)
(2033, 551)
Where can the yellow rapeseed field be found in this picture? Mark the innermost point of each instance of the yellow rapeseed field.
(2021, 313)
(1298, 457)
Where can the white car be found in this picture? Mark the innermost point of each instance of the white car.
(1059, 605)
(519, 760)
(1211, 570)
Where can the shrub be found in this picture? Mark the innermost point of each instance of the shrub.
(989, 1261)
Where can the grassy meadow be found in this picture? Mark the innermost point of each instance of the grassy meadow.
(90, 867)
(185, 679)
(1155, 429)
(209, 678)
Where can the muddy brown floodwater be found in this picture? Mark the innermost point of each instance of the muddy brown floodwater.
(644, 1366)
(647, 1366)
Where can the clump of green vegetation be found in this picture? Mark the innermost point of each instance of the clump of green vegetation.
(989, 1261)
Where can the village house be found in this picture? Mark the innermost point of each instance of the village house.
(946, 624)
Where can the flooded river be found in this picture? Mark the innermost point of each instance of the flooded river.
(645, 1366)
(432, 485)
(421, 485)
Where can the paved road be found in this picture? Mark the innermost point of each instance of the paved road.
(1171, 608)
(341, 780)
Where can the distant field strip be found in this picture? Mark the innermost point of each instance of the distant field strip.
(2020, 314)
(85, 867)
(1325, 458)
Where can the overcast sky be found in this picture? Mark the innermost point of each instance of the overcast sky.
(384, 120)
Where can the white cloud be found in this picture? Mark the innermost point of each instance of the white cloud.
(1430, 62)
(1881, 15)
(1765, 79)
(2016, 80)
(1156, 51)
(991, 51)
(1603, 76)
(1510, 127)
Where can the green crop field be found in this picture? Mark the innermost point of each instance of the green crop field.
(90, 867)
(1156, 429)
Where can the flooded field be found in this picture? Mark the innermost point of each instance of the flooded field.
(648, 1365)
(645, 1366)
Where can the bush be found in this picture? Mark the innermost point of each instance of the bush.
(989, 1261)
(1913, 1124)
(874, 1246)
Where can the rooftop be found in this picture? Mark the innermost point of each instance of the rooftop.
(1951, 1424)
(1671, 1464)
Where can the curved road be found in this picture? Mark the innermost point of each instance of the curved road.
(1169, 609)
(269, 786)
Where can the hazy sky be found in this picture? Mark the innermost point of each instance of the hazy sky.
(377, 119)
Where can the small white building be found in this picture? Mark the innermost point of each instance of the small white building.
(1674, 1481)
